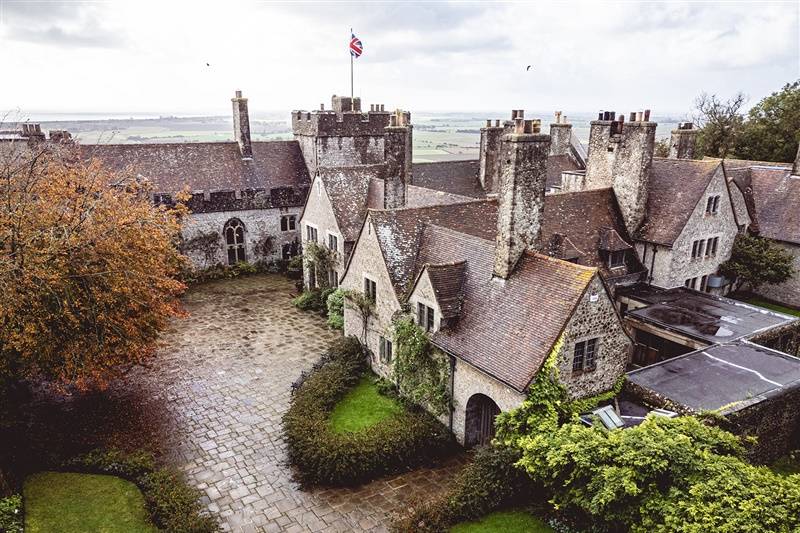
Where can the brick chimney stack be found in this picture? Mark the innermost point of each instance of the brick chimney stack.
(683, 141)
(241, 125)
(560, 134)
(523, 179)
(397, 153)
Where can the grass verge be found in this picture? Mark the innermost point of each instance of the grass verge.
(363, 406)
(769, 305)
(504, 522)
(78, 503)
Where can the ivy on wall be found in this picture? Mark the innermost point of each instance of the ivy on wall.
(320, 259)
(420, 371)
(206, 244)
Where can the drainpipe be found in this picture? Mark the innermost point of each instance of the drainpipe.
(452, 388)
(652, 262)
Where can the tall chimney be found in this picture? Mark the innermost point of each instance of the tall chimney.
(489, 169)
(602, 151)
(523, 178)
(397, 153)
(682, 142)
(560, 133)
(796, 166)
(631, 170)
(241, 125)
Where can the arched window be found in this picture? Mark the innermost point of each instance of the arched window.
(234, 240)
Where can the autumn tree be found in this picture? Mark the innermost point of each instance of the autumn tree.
(86, 267)
(720, 122)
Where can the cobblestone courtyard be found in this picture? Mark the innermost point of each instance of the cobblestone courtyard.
(211, 403)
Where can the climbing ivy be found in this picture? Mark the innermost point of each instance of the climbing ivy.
(419, 370)
(319, 258)
(364, 306)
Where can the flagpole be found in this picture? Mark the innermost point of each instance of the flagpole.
(351, 66)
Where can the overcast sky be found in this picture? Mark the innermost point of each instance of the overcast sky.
(141, 56)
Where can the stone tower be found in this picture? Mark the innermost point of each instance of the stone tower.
(343, 136)
(241, 125)
(683, 141)
(521, 190)
(560, 135)
(631, 170)
(397, 153)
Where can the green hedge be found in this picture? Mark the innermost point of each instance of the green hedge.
(172, 504)
(323, 456)
(11, 515)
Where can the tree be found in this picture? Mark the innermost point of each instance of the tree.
(720, 122)
(86, 267)
(662, 147)
(755, 261)
(772, 129)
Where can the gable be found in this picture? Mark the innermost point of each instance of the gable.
(318, 209)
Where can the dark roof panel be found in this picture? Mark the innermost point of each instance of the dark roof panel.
(455, 177)
(349, 191)
(448, 286)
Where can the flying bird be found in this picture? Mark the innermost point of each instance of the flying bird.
(208, 64)
(527, 69)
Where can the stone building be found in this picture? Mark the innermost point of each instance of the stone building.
(477, 276)
(245, 196)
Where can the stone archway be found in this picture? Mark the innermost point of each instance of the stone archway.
(479, 424)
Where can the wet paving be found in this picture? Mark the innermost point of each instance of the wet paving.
(211, 403)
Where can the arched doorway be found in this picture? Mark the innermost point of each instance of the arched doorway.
(234, 241)
(479, 423)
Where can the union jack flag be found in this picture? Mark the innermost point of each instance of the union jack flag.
(356, 48)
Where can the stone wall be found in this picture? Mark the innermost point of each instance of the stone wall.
(259, 224)
(787, 292)
(367, 260)
(594, 317)
(673, 266)
(468, 381)
(318, 213)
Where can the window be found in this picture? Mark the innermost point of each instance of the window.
(616, 259)
(333, 278)
(311, 233)
(584, 356)
(312, 278)
(697, 248)
(234, 240)
(712, 205)
(385, 350)
(425, 317)
(711, 247)
(370, 290)
(333, 242)
(691, 283)
(704, 283)
(288, 222)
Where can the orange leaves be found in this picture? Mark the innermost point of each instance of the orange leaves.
(87, 267)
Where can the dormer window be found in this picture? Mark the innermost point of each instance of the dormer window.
(425, 317)
(616, 259)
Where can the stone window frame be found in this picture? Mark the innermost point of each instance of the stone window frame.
(712, 204)
(429, 311)
(712, 244)
(370, 288)
(307, 235)
(335, 236)
(239, 249)
(698, 249)
(288, 223)
(385, 350)
(611, 256)
(584, 366)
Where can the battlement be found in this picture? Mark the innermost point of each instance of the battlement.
(323, 123)
(239, 200)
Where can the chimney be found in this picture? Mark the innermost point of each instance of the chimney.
(397, 154)
(682, 142)
(796, 166)
(523, 178)
(241, 125)
(489, 165)
(560, 134)
(631, 169)
(602, 149)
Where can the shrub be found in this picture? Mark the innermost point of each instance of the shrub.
(323, 456)
(310, 300)
(489, 482)
(172, 504)
(335, 303)
(11, 515)
(220, 271)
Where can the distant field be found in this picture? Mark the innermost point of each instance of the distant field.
(437, 136)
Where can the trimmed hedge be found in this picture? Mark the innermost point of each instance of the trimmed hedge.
(172, 504)
(11, 515)
(323, 456)
(489, 482)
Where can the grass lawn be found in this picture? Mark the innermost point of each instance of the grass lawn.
(786, 466)
(83, 503)
(769, 305)
(505, 522)
(363, 406)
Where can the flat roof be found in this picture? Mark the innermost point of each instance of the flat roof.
(732, 376)
(709, 318)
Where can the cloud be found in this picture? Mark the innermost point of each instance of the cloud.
(62, 24)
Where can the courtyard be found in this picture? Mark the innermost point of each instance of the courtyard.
(210, 403)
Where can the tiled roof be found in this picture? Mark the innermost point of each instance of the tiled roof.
(776, 195)
(423, 197)
(556, 164)
(399, 231)
(448, 285)
(580, 220)
(455, 177)
(505, 329)
(348, 189)
(215, 166)
(676, 186)
(739, 177)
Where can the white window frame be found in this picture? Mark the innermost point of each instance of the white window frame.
(430, 306)
(328, 235)
(366, 277)
(305, 233)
